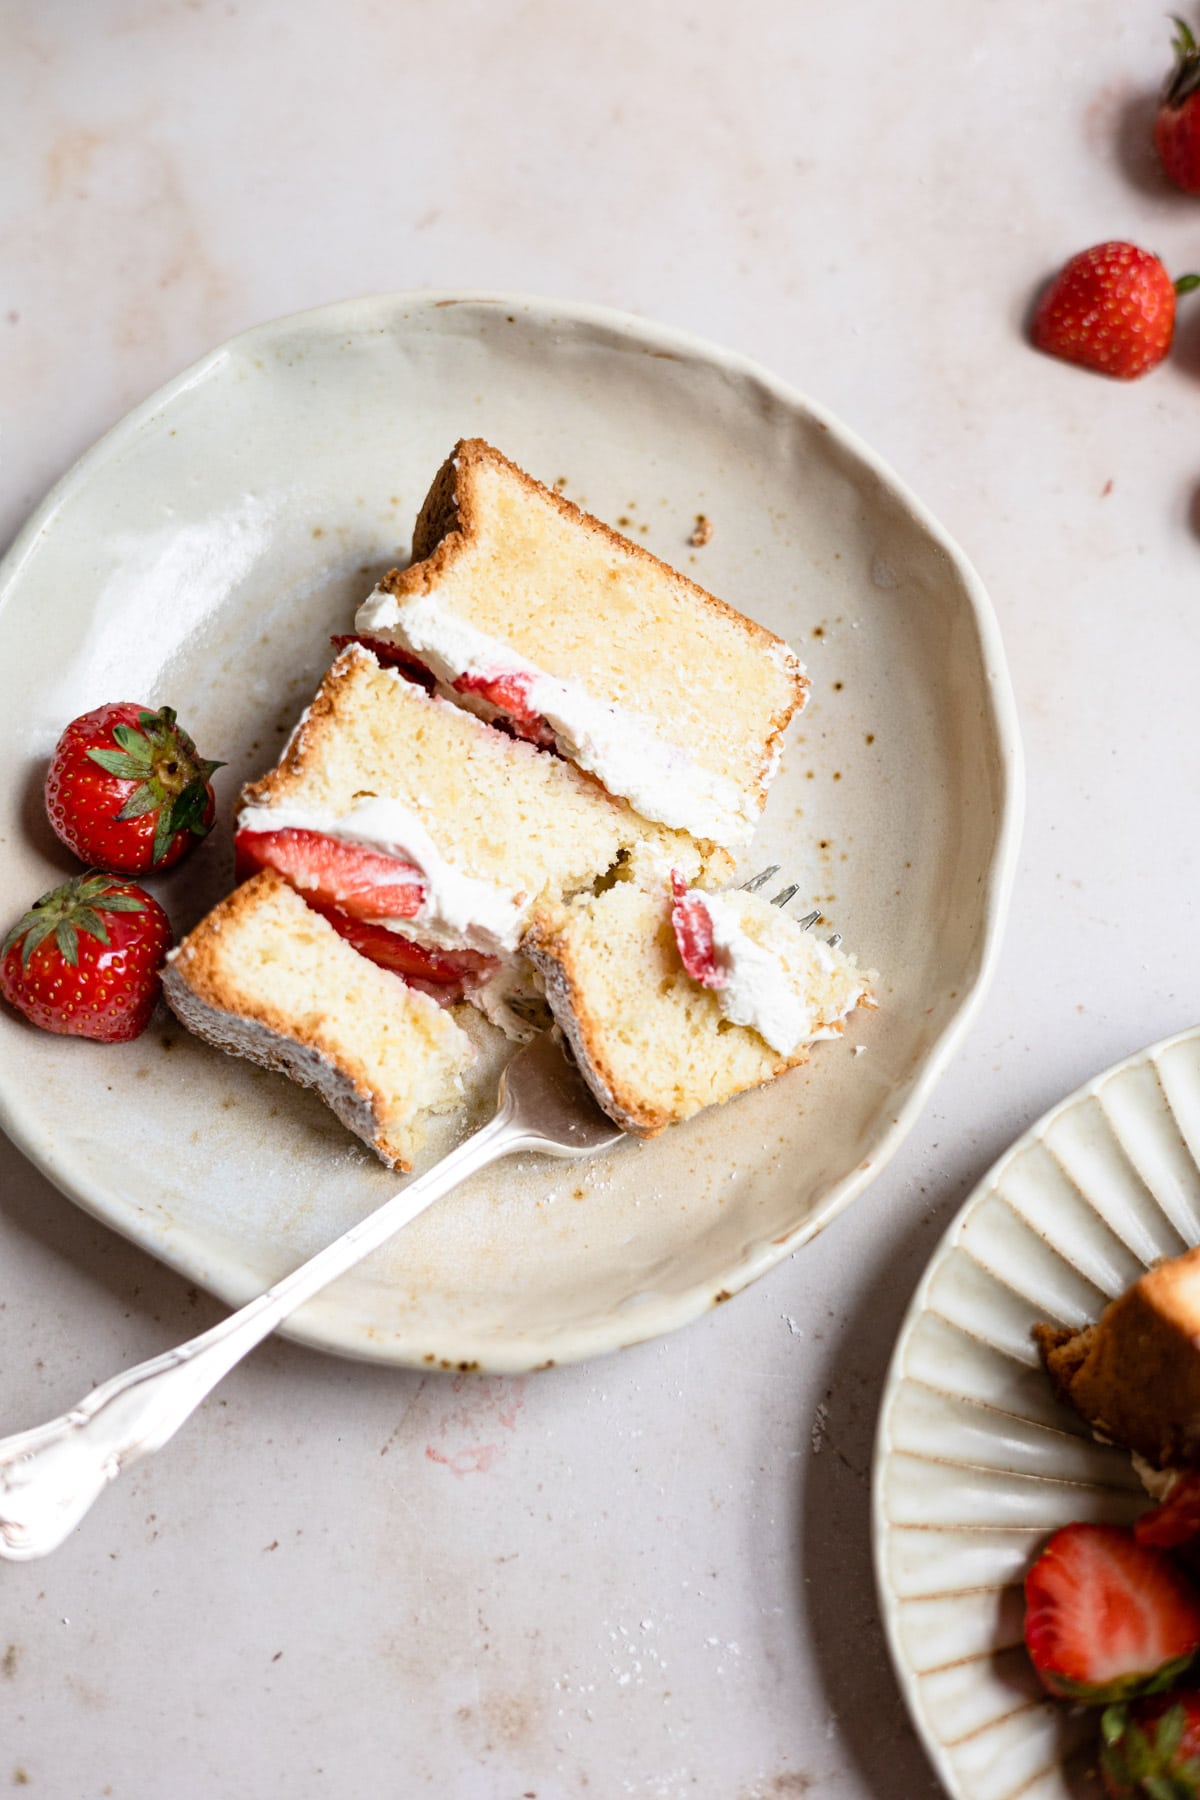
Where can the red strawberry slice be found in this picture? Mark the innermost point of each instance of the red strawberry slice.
(1176, 1520)
(328, 872)
(692, 924)
(1106, 1617)
(509, 694)
(392, 656)
(400, 954)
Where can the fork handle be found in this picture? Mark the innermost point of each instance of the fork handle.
(50, 1476)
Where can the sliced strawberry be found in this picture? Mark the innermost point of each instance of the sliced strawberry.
(1106, 1617)
(393, 951)
(1175, 1520)
(392, 656)
(328, 872)
(692, 924)
(509, 694)
(1152, 1748)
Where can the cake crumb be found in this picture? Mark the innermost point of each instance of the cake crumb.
(702, 530)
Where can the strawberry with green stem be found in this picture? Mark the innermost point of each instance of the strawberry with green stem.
(126, 788)
(86, 959)
(1177, 121)
(1111, 309)
(1151, 1749)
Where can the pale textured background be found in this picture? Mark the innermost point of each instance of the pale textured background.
(651, 1576)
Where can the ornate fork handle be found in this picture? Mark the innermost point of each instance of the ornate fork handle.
(50, 1476)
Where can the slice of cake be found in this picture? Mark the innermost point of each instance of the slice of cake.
(421, 824)
(1134, 1375)
(674, 1000)
(267, 978)
(531, 611)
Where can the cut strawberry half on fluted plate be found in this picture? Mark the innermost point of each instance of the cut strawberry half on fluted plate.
(1106, 1617)
(391, 950)
(324, 870)
(1174, 1521)
(691, 922)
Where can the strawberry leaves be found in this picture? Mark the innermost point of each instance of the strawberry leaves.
(1184, 78)
(86, 959)
(66, 911)
(168, 778)
(1149, 1755)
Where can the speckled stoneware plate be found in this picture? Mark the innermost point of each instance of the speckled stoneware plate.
(202, 554)
(975, 1462)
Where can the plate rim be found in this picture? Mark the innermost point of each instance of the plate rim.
(351, 313)
(889, 1606)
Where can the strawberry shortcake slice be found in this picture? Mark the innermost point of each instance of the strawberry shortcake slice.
(532, 613)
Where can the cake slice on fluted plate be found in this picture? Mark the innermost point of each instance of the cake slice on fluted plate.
(674, 999)
(531, 611)
(1135, 1374)
(1134, 1377)
(265, 977)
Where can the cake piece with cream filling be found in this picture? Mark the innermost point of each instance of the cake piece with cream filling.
(424, 835)
(529, 611)
(674, 999)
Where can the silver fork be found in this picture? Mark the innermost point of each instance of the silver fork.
(784, 897)
(50, 1476)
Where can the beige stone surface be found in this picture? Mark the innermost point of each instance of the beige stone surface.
(648, 1576)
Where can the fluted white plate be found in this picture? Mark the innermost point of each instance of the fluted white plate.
(202, 554)
(975, 1462)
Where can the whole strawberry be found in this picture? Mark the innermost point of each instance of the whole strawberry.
(1152, 1748)
(1112, 308)
(85, 959)
(1177, 122)
(126, 789)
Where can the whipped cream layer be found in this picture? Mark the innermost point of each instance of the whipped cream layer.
(769, 976)
(458, 911)
(659, 779)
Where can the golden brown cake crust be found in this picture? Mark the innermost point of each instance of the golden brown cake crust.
(566, 996)
(1134, 1375)
(195, 988)
(304, 745)
(447, 522)
(447, 519)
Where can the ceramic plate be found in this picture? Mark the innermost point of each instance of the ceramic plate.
(202, 554)
(975, 1462)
